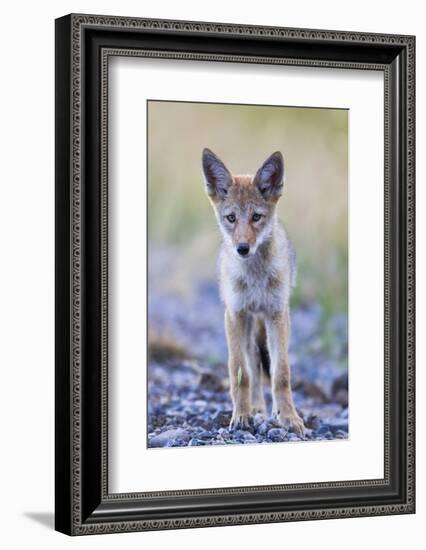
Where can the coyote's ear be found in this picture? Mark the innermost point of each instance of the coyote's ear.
(217, 176)
(269, 178)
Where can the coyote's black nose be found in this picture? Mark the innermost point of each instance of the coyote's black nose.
(243, 249)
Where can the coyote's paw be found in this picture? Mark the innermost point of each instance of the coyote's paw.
(239, 421)
(291, 422)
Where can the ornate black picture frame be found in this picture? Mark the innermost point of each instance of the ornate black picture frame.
(83, 45)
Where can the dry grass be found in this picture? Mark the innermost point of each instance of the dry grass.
(164, 347)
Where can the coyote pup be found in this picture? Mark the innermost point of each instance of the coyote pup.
(256, 271)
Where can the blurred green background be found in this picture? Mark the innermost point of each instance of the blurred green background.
(183, 237)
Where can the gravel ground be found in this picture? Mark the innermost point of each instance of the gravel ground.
(188, 392)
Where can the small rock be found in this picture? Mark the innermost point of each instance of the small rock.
(206, 435)
(342, 398)
(169, 437)
(258, 419)
(340, 383)
(337, 424)
(344, 413)
(340, 434)
(159, 420)
(323, 429)
(205, 423)
(277, 434)
(239, 434)
(313, 422)
(273, 422)
(263, 428)
(222, 418)
(195, 443)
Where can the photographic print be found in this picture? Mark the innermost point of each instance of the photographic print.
(217, 187)
(247, 274)
(213, 201)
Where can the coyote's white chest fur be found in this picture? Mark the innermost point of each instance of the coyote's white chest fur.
(259, 284)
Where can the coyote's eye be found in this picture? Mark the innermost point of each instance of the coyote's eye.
(231, 218)
(256, 217)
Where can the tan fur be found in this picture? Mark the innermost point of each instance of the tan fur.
(255, 288)
(278, 336)
(236, 326)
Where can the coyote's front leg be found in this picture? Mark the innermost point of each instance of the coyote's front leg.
(278, 335)
(236, 330)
